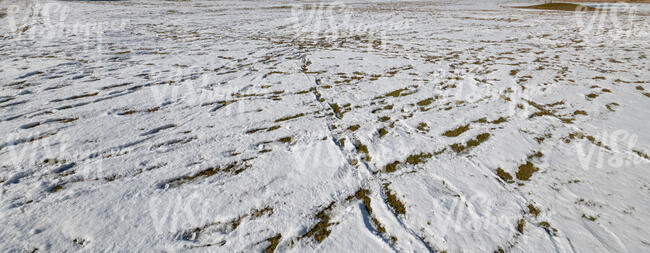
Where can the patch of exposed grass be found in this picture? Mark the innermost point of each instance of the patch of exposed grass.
(254, 130)
(459, 148)
(259, 213)
(285, 139)
(589, 138)
(520, 225)
(545, 112)
(411, 160)
(425, 102)
(321, 230)
(354, 128)
(235, 167)
(580, 112)
(290, 117)
(499, 120)
(391, 167)
(505, 175)
(397, 93)
(641, 154)
(526, 171)
(154, 109)
(549, 229)
(273, 243)
(418, 158)
(364, 150)
(77, 97)
(532, 210)
(362, 194)
(496, 121)
(456, 132)
(537, 154)
(393, 201)
(382, 132)
(478, 140)
(481, 120)
(340, 110)
(589, 217)
(423, 127)
(342, 141)
(56, 188)
(610, 106)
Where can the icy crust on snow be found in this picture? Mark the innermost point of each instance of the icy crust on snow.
(236, 126)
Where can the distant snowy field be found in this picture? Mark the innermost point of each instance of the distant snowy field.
(248, 126)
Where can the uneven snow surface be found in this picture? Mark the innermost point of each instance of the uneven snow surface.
(248, 126)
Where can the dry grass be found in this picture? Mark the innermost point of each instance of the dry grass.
(457, 131)
(235, 167)
(505, 175)
(321, 230)
(274, 241)
(290, 117)
(460, 148)
(532, 210)
(520, 225)
(411, 160)
(393, 201)
(526, 171)
(363, 149)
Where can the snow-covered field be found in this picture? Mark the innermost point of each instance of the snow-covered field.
(247, 126)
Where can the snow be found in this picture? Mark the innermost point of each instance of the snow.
(164, 125)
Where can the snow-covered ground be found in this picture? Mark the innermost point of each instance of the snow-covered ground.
(148, 126)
